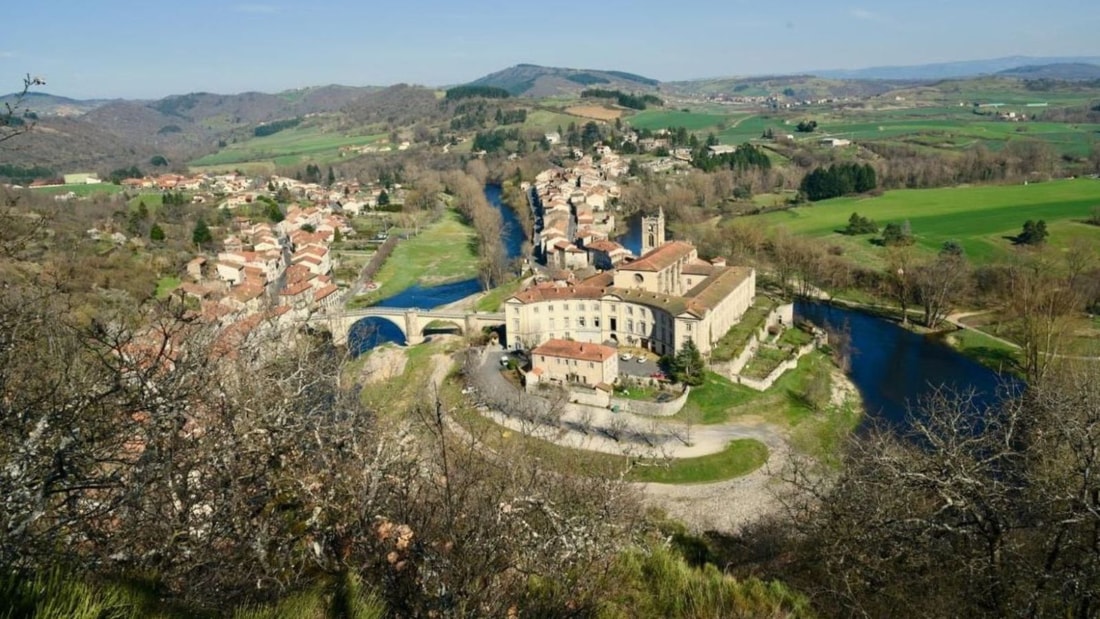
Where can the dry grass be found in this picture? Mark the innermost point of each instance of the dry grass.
(597, 112)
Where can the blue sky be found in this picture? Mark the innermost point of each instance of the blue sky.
(152, 48)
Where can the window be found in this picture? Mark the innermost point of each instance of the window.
(641, 327)
(580, 321)
(629, 326)
(638, 279)
(515, 325)
(551, 323)
(629, 310)
(536, 309)
(565, 306)
(566, 319)
(591, 365)
(596, 322)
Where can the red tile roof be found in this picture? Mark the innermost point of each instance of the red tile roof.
(568, 349)
(660, 258)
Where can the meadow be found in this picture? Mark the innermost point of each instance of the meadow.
(443, 251)
(692, 121)
(981, 218)
(82, 190)
(287, 147)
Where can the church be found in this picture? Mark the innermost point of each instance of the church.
(656, 302)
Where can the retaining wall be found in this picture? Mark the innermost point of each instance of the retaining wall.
(652, 409)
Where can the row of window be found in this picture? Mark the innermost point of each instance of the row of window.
(560, 361)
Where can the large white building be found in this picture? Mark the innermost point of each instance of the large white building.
(657, 302)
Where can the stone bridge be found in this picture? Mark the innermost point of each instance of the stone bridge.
(411, 321)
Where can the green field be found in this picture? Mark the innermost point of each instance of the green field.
(442, 252)
(692, 121)
(287, 147)
(979, 217)
(82, 190)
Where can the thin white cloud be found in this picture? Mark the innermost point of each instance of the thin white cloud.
(7, 54)
(256, 9)
(865, 15)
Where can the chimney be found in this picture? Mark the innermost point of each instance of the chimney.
(718, 262)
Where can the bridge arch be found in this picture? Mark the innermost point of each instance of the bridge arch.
(438, 326)
(370, 331)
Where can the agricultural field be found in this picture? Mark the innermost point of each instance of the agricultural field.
(546, 120)
(287, 147)
(692, 121)
(981, 218)
(82, 190)
(596, 112)
(956, 130)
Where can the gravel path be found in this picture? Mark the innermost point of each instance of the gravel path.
(726, 506)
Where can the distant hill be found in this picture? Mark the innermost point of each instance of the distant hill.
(1070, 71)
(531, 80)
(948, 70)
(94, 134)
(43, 103)
(795, 86)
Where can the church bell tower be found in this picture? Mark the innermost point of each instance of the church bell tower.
(653, 231)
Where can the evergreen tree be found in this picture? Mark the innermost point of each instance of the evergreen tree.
(688, 366)
(331, 176)
(201, 234)
(383, 198)
(156, 233)
(1034, 233)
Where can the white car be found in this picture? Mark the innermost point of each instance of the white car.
(625, 356)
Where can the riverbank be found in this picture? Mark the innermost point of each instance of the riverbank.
(443, 252)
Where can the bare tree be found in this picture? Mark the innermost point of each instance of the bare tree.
(938, 285)
(13, 120)
(975, 512)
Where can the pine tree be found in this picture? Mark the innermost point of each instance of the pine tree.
(688, 365)
(156, 233)
(201, 234)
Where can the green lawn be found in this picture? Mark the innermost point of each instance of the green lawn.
(166, 285)
(491, 301)
(739, 458)
(444, 251)
(82, 190)
(979, 217)
(988, 351)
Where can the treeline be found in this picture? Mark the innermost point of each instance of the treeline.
(116, 176)
(467, 92)
(744, 157)
(20, 175)
(910, 167)
(468, 197)
(839, 179)
(275, 127)
(476, 115)
(493, 141)
(632, 101)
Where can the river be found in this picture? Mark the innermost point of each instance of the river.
(894, 369)
(371, 332)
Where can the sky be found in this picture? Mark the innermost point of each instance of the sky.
(153, 48)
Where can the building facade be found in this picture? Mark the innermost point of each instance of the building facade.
(567, 361)
(657, 302)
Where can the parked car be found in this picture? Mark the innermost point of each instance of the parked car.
(625, 356)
